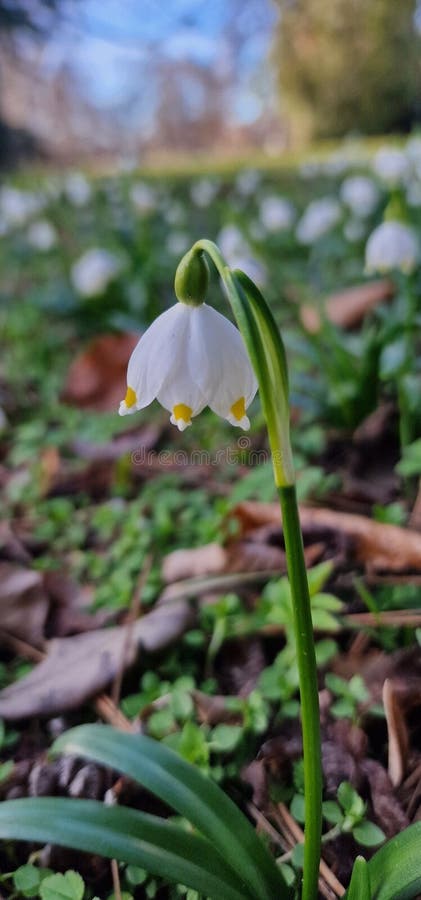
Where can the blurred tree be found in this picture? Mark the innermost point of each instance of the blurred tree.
(348, 65)
(25, 14)
(17, 17)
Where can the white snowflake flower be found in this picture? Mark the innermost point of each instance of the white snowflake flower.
(360, 194)
(77, 189)
(93, 271)
(143, 197)
(392, 165)
(41, 235)
(276, 214)
(319, 218)
(392, 245)
(189, 358)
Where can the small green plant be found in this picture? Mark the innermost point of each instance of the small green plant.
(349, 695)
(35, 881)
(348, 816)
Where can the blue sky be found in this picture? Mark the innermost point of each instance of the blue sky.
(107, 43)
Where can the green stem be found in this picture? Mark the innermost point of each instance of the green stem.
(307, 669)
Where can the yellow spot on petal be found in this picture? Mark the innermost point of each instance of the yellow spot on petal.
(130, 398)
(181, 411)
(238, 409)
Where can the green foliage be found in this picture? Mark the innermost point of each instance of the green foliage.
(27, 880)
(350, 694)
(348, 816)
(410, 464)
(279, 682)
(69, 886)
(347, 66)
(227, 861)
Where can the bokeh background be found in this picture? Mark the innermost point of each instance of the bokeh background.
(122, 82)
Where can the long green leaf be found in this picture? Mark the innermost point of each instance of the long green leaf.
(161, 847)
(189, 792)
(359, 888)
(395, 870)
(267, 352)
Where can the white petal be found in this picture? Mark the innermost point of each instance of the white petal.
(243, 423)
(218, 362)
(154, 356)
(179, 393)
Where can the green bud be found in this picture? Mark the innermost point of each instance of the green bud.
(192, 279)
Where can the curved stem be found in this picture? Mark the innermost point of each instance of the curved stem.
(309, 697)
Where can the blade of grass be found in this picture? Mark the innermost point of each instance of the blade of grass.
(189, 792)
(139, 839)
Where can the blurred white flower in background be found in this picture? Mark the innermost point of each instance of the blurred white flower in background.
(413, 193)
(360, 194)
(336, 164)
(143, 197)
(204, 191)
(413, 148)
(177, 243)
(276, 214)
(392, 245)
(238, 253)
(232, 242)
(77, 189)
(247, 182)
(309, 169)
(174, 214)
(319, 218)
(94, 270)
(392, 165)
(17, 206)
(41, 235)
(189, 358)
(354, 230)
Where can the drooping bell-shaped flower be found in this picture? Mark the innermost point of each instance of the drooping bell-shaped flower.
(392, 245)
(189, 358)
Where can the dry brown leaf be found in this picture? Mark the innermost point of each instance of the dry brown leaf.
(97, 377)
(23, 603)
(377, 545)
(252, 556)
(192, 562)
(397, 732)
(71, 603)
(347, 308)
(386, 806)
(77, 668)
(375, 427)
(49, 466)
(212, 709)
(11, 547)
(137, 441)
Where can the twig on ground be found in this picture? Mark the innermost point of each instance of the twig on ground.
(328, 882)
(266, 826)
(116, 879)
(132, 615)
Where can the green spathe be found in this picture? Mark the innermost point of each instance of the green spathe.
(192, 279)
